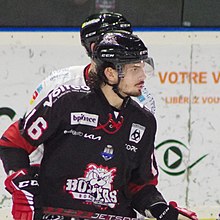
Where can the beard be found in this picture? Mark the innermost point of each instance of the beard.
(127, 92)
(134, 93)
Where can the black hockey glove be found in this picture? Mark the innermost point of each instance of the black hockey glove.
(164, 212)
(24, 187)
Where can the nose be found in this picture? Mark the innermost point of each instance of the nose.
(143, 75)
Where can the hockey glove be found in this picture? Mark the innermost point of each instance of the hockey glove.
(24, 187)
(183, 211)
(164, 212)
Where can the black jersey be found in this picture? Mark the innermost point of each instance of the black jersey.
(95, 159)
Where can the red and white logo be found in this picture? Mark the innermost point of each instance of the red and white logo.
(95, 187)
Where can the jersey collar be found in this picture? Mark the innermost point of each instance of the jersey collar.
(86, 73)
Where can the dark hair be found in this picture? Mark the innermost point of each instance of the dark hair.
(97, 77)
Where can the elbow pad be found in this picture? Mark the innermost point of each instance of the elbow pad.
(162, 211)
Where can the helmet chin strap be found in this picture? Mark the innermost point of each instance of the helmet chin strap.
(115, 89)
(115, 86)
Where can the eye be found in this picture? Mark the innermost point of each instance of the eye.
(135, 68)
(173, 157)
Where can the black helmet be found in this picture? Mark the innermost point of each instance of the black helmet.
(97, 24)
(114, 49)
(119, 47)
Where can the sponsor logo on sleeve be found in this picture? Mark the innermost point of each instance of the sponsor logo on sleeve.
(59, 92)
(36, 93)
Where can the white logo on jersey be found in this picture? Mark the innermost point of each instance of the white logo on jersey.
(96, 186)
(92, 137)
(136, 133)
(131, 148)
(81, 134)
(57, 93)
(84, 118)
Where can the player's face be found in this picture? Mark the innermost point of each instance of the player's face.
(133, 81)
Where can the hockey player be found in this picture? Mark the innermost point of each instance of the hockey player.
(91, 28)
(86, 136)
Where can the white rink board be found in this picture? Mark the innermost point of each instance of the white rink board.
(187, 111)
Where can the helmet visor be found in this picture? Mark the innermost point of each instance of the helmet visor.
(149, 66)
(141, 67)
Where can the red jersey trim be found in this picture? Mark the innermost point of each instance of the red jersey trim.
(86, 72)
(12, 138)
(134, 188)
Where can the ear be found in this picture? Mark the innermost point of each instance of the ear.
(111, 74)
(92, 46)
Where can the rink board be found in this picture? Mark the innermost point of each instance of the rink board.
(185, 86)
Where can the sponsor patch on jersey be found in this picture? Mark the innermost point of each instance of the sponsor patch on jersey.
(84, 118)
(136, 133)
(36, 93)
(62, 90)
(107, 153)
(96, 186)
(131, 148)
(84, 135)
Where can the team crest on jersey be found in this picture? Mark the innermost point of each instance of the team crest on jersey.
(136, 133)
(96, 187)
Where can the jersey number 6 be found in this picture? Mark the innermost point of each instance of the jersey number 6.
(37, 128)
